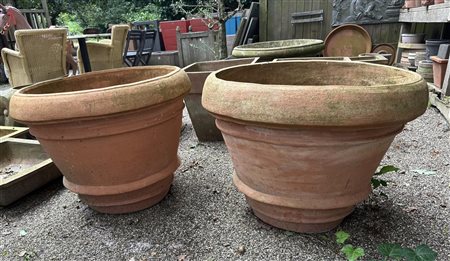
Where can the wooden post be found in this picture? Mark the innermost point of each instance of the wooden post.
(263, 20)
(47, 15)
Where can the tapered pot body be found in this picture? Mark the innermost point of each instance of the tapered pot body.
(202, 121)
(113, 134)
(306, 137)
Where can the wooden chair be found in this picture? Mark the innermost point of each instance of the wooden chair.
(151, 25)
(143, 42)
(106, 54)
(40, 55)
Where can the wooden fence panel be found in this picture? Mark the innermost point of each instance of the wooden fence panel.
(275, 23)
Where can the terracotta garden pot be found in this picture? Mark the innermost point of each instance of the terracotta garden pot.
(203, 123)
(114, 134)
(306, 137)
(280, 49)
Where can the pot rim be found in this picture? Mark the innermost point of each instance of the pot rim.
(107, 100)
(264, 106)
(247, 47)
(86, 75)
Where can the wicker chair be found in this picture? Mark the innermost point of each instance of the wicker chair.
(106, 54)
(40, 55)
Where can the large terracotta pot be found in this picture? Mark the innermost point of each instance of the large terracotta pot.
(114, 134)
(280, 49)
(306, 137)
(203, 123)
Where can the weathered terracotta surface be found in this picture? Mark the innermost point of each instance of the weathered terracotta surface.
(113, 134)
(306, 137)
(280, 49)
(202, 121)
(347, 40)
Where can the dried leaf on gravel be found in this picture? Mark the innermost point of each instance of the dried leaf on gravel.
(410, 209)
(424, 172)
(241, 250)
(22, 233)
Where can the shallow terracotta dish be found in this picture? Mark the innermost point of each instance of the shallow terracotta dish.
(114, 134)
(304, 149)
(347, 40)
(280, 49)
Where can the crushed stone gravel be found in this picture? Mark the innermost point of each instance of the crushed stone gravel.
(204, 217)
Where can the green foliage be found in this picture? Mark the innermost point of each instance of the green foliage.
(395, 251)
(376, 182)
(387, 250)
(391, 250)
(65, 19)
(341, 237)
(146, 13)
(352, 253)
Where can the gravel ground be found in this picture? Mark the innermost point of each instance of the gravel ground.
(205, 218)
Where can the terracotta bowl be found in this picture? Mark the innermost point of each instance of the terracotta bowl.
(306, 137)
(280, 49)
(114, 134)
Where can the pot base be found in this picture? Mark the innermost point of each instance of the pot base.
(132, 201)
(279, 217)
(295, 219)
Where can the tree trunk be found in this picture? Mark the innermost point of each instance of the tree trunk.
(222, 37)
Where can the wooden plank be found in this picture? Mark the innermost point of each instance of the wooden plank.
(327, 5)
(285, 19)
(252, 27)
(307, 27)
(308, 13)
(240, 32)
(432, 14)
(317, 25)
(262, 20)
(46, 13)
(275, 24)
(404, 29)
(445, 85)
(441, 105)
(271, 20)
(306, 20)
(293, 9)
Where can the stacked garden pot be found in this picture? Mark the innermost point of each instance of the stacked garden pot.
(306, 137)
(113, 134)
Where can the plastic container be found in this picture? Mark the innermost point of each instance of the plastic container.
(413, 38)
(432, 46)
(420, 56)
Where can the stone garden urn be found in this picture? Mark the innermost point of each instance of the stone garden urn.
(306, 137)
(114, 134)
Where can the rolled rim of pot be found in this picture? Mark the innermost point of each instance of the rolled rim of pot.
(279, 49)
(99, 93)
(316, 93)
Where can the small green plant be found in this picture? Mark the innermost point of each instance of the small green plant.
(376, 182)
(387, 250)
(351, 253)
(397, 252)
